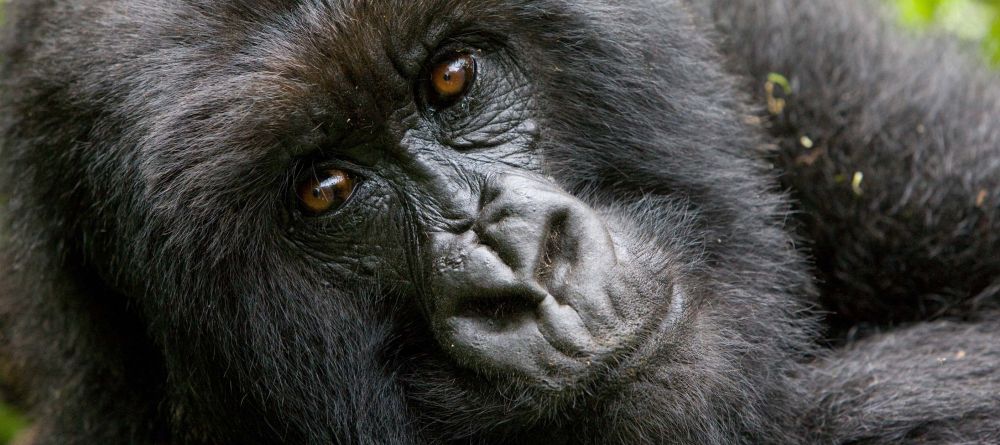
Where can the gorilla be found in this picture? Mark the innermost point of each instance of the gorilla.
(496, 222)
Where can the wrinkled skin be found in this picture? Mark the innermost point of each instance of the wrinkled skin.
(591, 244)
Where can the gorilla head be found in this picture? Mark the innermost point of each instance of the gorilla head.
(348, 221)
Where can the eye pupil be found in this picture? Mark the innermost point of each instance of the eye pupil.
(451, 79)
(325, 191)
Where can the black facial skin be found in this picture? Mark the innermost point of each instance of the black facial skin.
(589, 243)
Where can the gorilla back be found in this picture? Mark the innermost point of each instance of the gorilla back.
(494, 221)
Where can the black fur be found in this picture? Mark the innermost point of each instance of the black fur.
(156, 287)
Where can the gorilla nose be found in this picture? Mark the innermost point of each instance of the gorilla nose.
(470, 277)
(523, 287)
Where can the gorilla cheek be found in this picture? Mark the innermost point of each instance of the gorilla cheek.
(527, 289)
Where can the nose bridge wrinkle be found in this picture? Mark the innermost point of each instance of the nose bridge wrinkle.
(451, 188)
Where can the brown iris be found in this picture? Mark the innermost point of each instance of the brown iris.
(450, 80)
(325, 191)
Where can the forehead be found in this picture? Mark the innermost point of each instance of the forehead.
(356, 42)
(357, 57)
(365, 22)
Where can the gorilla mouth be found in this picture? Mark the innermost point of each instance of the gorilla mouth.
(556, 344)
(499, 310)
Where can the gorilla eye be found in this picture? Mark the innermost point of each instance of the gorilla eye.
(326, 191)
(450, 80)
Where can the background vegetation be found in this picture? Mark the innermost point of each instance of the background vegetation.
(975, 21)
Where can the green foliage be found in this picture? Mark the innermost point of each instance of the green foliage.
(781, 81)
(972, 20)
(992, 42)
(10, 424)
(918, 12)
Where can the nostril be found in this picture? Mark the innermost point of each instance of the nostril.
(496, 231)
(553, 245)
(488, 195)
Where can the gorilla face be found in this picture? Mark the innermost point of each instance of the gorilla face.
(434, 142)
(516, 278)
(489, 216)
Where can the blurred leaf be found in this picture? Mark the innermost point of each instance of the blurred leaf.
(992, 43)
(780, 81)
(970, 20)
(10, 424)
(918, 12)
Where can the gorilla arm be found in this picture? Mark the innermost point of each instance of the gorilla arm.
(932, 383)
(889, 143)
